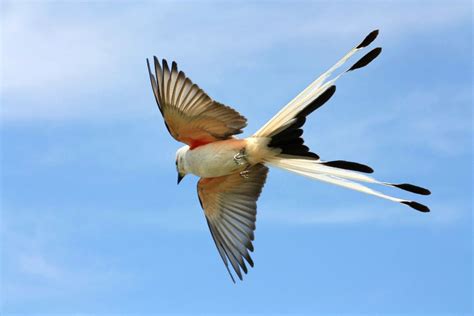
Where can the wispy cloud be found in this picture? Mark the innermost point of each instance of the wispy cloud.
(35, 250)
(90, 210)
(43, 257)
(58, 58)
(38, 265)
(409, 120)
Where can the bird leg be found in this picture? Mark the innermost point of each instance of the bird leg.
(245, 173)
(241, 157)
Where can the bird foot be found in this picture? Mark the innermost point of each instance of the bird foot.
(241, 157)
(245, 173)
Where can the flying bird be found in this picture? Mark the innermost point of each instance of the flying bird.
(233, 170)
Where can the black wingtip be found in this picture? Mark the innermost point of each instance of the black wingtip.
(364, 61)
(231, 276)
(239, 275)
(250, 261)
(417, 206)
(165, 64)
(369, 39)
(244, 267)
(250, 247)
(349, 165)
(148, 65)
(412, 188)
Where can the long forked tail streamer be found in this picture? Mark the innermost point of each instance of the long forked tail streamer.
(318, 87)
(316, 170)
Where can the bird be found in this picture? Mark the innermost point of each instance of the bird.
(233, 170)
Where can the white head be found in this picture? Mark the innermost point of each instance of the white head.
(180, 162)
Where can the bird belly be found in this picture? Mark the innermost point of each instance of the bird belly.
(217, 159)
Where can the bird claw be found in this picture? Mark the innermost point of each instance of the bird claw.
(241, 157)
(245, 173)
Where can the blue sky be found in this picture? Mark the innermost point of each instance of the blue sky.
(92, 221)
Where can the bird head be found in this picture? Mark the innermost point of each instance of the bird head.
(180, 162)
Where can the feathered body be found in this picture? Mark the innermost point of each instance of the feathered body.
(225, 157)
(215, 159)
(233, 171)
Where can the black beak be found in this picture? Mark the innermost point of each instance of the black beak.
(180, 177)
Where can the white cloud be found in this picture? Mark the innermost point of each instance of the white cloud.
(41, 52)
(57, 59)
(38, 265)
(38, 261)
(439, 127)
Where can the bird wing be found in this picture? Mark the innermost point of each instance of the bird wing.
(230, 205)
(190, 115)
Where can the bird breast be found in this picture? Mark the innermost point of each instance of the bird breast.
(216, 159)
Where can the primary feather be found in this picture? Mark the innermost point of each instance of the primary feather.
(233, 171)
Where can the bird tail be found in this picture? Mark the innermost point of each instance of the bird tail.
(284, 133)
(315, 169)
(317, 93)
(285, 129)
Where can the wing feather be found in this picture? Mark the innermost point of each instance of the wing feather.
(190, 115)
(230, 204)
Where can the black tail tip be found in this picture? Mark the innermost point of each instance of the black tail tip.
(369, 39)
(366, 59)
(417, 206)
(349, 165)
(413, 188)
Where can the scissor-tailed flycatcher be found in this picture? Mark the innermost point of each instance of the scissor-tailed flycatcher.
(233, 171)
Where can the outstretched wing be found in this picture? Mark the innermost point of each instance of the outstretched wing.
(230, 206)
(190, 115)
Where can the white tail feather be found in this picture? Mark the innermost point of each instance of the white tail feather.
(317, 166)
(331, 175)
(305, 97)
(283, 132)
